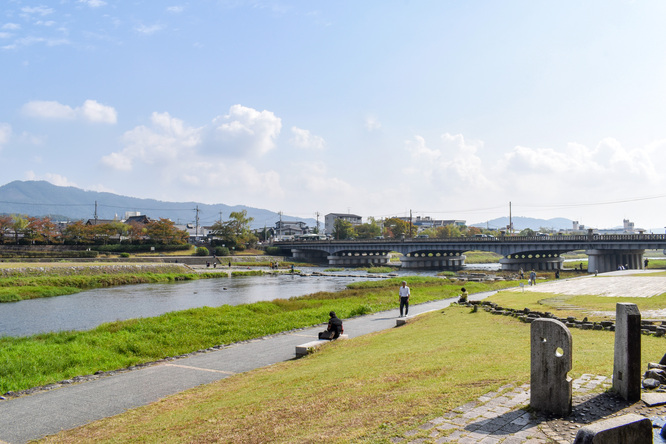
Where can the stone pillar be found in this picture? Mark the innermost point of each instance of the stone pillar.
(627, 362)
(551, 352)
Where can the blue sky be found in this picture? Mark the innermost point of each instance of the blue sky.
(449, 109)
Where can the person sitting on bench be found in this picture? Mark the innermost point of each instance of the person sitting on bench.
(334, 329)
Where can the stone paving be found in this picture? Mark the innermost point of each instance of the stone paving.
(625, 283)
(499, 417)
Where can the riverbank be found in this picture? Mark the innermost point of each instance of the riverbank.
(46, 358)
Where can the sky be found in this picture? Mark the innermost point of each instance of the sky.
(448, 109)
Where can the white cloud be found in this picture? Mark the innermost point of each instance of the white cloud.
(37, 10)
(148, 30)
(90, 111)
(168, 140)
(454, 165)
(372, 123)
(11, 26)
(175, 9)
(55, 179)
(247, 131)
(303, 138)
(5, 133)
(93, 3)
(98, 113)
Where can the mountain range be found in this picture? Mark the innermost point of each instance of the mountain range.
(41, 199)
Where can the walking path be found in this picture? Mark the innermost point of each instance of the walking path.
(493, 418)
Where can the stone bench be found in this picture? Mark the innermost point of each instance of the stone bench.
(304, 349)
(625, 429)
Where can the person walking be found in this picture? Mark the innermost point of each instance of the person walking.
(532, 277)
(404, 292)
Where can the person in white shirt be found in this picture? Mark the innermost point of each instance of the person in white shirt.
(404, 294)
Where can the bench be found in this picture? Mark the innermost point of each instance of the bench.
(304, 349)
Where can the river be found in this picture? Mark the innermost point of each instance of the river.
(88, 309)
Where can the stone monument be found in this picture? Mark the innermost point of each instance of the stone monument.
(627, 362)
(551, 351)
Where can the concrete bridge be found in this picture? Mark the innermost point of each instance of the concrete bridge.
(605, 252)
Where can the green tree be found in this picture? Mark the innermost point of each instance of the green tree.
(397, 228)
(448, 231)
(368, 230)
(527, 232)
(235, 232)
(343, 229)
(19, 225)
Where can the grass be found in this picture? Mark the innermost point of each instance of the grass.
(591, 305)
(364, 390)
(18, 284)
(46, 358)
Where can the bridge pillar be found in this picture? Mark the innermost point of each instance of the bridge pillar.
(359, 259)
(609, 260)
(452, 262)
(538, 262)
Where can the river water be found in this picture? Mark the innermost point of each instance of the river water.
(88, 309)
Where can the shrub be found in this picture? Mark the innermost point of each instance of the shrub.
(361, 310)
(202, 251)
(124, 255)
(274, 251)
(221, 251)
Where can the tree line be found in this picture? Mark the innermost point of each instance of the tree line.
(28, 230)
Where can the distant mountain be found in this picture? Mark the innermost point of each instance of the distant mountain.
(520, 223)
(41, 198)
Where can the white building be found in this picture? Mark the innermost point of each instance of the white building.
(330, 218)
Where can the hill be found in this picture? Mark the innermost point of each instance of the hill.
(41, 198)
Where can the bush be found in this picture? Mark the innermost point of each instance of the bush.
(221, 251)
(274, 251)
(202, 251)
(360, 310)
(124, 255)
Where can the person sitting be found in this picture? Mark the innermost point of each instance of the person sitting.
(463, 296)
(334, 329)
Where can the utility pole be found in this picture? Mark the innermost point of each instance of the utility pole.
(280, 229)
(410, 224)
(510, 221)
(95, 212)
(196, 223)
(317, 214)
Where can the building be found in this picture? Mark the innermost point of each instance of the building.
(289, 228)
(330, 218)
(428, 222)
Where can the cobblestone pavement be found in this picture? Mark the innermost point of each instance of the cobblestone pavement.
(501, 417)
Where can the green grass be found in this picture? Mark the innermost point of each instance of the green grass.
(364, 390)
(42, 359)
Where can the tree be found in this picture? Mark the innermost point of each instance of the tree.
(235, 232)
(368, 230)
(527, 232)
(41, 231)
(5, 227)
(19, 225)
(397, 228)
(164, 232)
(77, 233)
(343, 229)
(448, 231)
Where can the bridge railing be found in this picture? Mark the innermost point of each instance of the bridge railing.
(544, 239)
